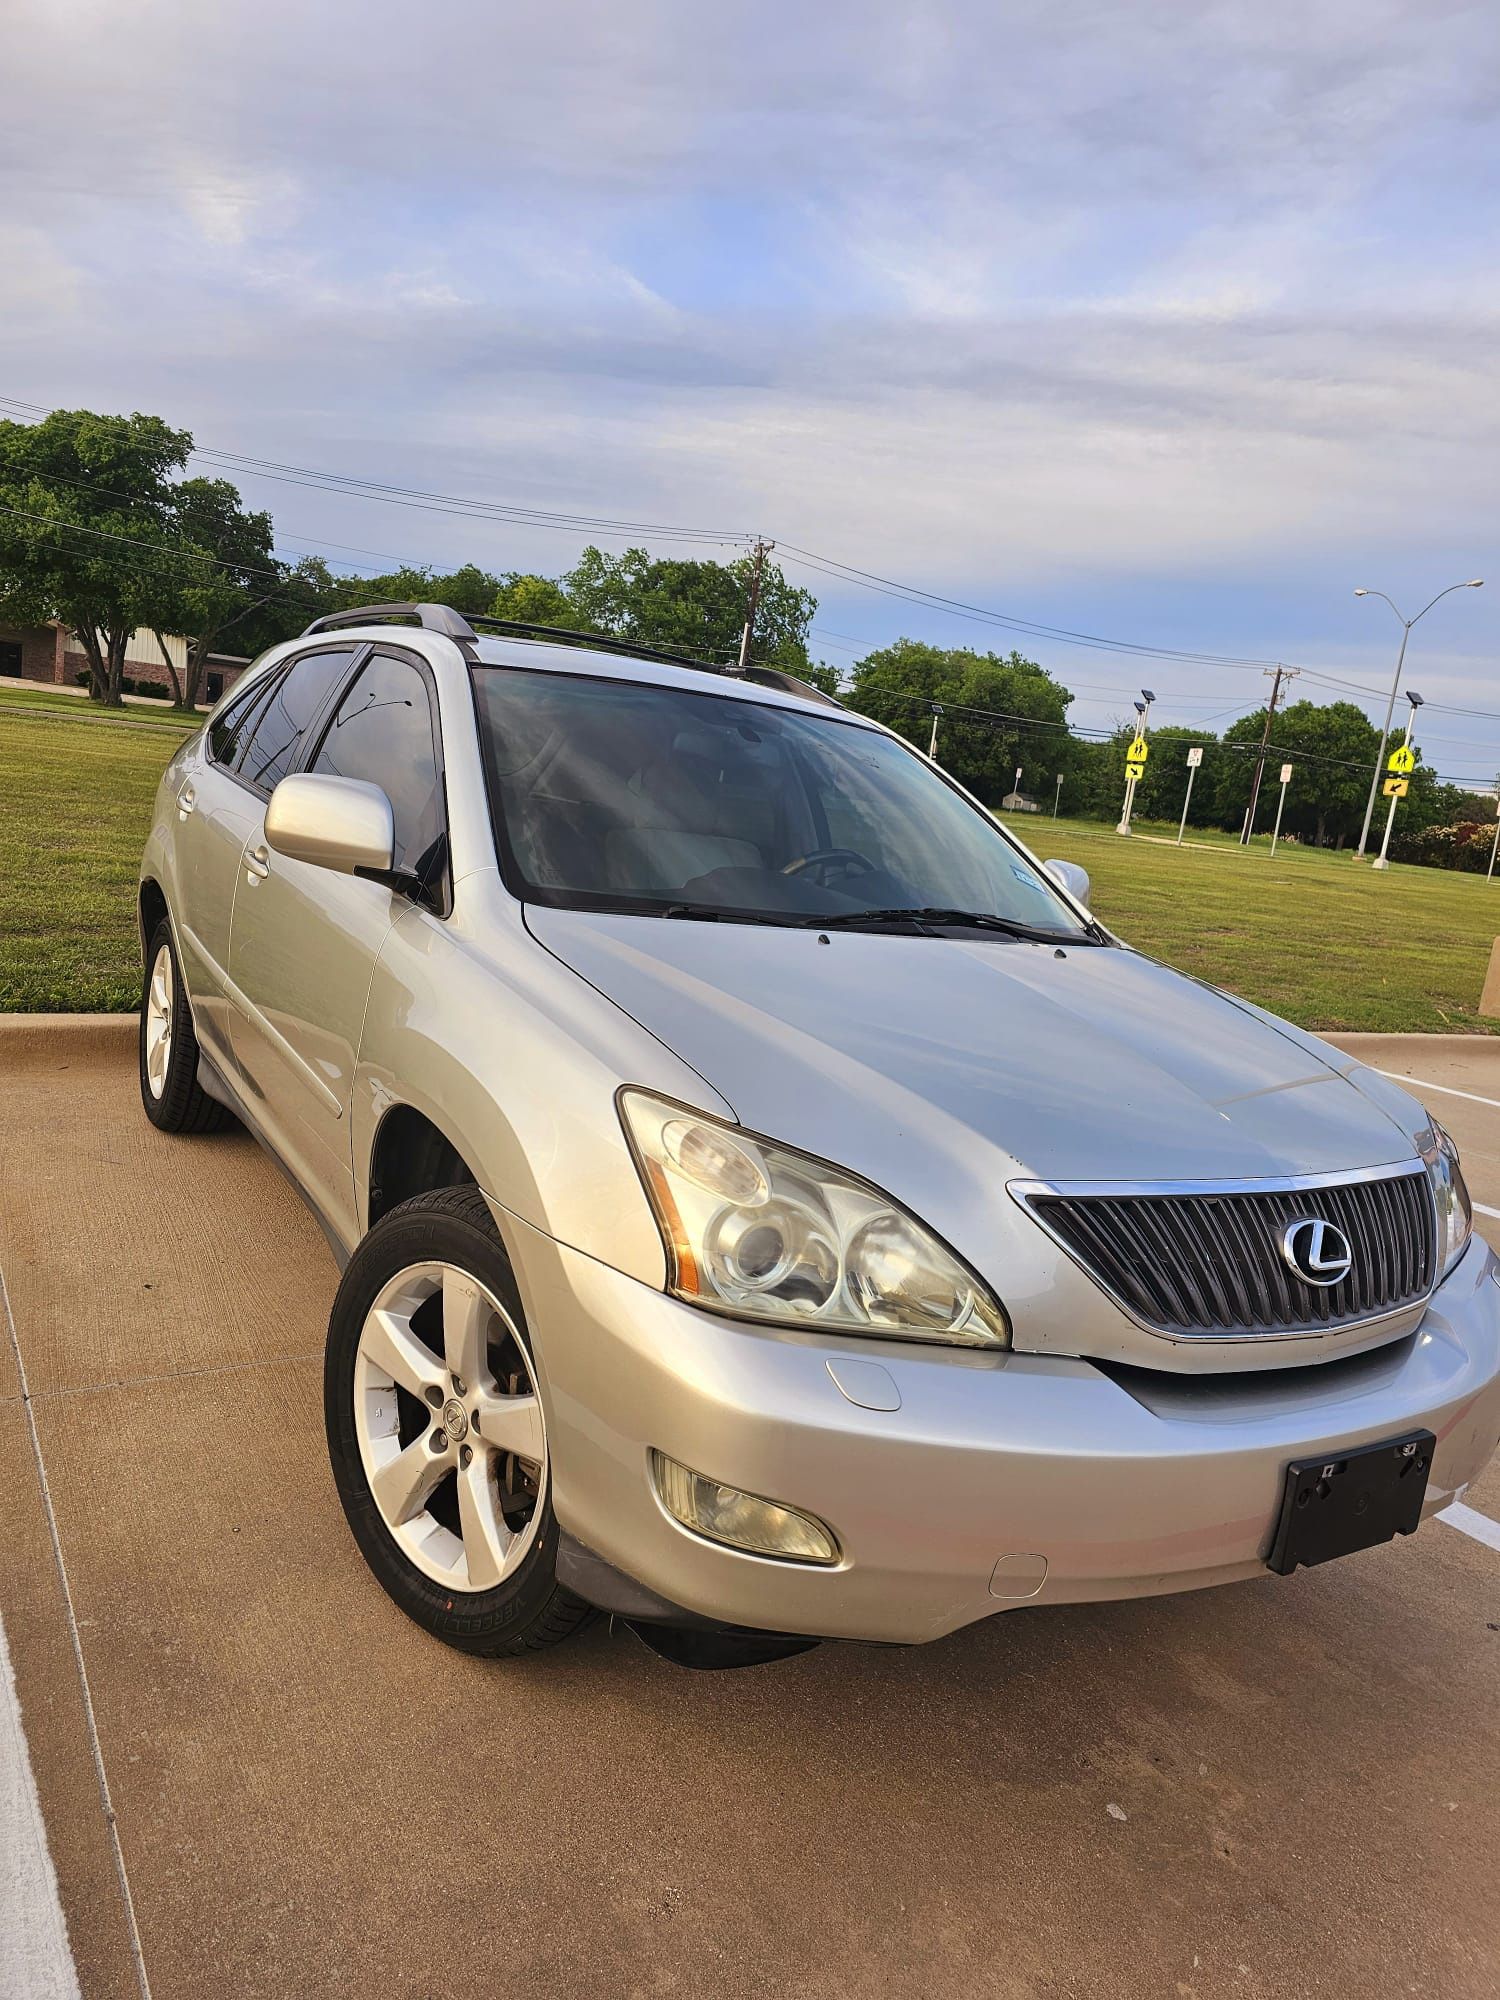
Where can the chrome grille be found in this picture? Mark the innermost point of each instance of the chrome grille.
(1206, 1263)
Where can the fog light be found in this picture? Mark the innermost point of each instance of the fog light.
(742, 1520)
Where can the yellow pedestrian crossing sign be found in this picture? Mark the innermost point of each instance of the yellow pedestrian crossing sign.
(1402, 760)
(1395, 788)
(1136, 771)
(1138, 752)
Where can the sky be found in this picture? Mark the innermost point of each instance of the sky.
(1169, 322)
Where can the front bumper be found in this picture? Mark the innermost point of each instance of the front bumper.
(1000, 1479)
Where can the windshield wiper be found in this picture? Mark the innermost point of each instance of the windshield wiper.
(711, 913)
(980, 920)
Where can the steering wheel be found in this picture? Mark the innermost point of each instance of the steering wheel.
(853, 862)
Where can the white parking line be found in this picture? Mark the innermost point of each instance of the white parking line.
(35, 1961)
(1480, 1209)
(1470, 1521)
(96, 1749)
(1447, 1088)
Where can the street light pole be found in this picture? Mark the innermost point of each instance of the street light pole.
(1474, 583)
(1390, 818)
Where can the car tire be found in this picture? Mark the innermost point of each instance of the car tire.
(441, 1461)
(167, 1046)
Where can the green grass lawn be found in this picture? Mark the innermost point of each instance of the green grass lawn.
(1312, 935)
(54, 701)
(75, 802)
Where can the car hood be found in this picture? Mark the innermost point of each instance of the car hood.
(894, 1054)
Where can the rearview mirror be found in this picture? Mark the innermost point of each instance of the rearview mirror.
(338, 823)
(1068, 875)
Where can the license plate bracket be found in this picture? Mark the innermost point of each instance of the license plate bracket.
(1340, 1502)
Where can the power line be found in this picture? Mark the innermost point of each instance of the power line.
(424, 500)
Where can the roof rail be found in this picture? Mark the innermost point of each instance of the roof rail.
(431, 617)
(453, 625)
(777, 677)
(771, 677)
(602, 641)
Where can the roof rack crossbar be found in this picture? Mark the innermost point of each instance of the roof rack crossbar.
(431, 617)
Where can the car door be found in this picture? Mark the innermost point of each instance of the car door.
(216, 815)
(305, 940)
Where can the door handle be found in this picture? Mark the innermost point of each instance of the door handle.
(258, 864)
(187, 798)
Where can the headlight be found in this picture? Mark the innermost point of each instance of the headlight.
(759, 1231)
(1455, 1211)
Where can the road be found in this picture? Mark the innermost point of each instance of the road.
(1288, 1787)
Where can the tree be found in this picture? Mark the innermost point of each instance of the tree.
(1159, 795)
(234, 580)
(1026, 723)
(1331, 748)
(89, 534)
(689, 606)
(534, 600)
(468, 589)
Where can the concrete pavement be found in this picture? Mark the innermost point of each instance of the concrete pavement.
(1284, 1788)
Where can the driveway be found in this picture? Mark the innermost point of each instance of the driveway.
(1287, 1787)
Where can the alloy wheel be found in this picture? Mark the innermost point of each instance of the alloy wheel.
(159, 1007)
(450, 1427)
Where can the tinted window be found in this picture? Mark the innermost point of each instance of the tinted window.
(228, 725)
(382, 733)
(274, 736)
(648, 798)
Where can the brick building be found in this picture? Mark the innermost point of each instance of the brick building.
(52, 653)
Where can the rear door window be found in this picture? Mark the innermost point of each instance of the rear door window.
(230, 724)
(298, 698)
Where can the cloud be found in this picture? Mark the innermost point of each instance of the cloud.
(1095, 311)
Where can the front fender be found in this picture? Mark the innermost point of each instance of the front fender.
(517, 1060)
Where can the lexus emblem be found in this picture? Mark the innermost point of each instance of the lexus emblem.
(1316, 1251)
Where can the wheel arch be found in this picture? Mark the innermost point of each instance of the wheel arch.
(411, 1154)
(151, 907)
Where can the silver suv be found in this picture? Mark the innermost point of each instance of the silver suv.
(770, 1206)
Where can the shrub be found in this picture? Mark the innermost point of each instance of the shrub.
(1465, 847)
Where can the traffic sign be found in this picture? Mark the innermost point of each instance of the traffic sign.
(1139, 750)
(1195, 756)
(1286, 774)
(1395, 788)
(1135, 770)
(1402, 760)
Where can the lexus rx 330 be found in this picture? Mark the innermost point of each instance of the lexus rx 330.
(771, 1206)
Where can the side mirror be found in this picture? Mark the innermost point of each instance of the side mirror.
(337, 823)
(1066, 874)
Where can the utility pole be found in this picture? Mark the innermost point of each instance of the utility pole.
(747, 637)
(1282, 674)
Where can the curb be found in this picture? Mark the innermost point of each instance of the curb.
(66, 1035)
(1355, 1042)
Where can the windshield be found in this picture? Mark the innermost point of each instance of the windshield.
(613, 795)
